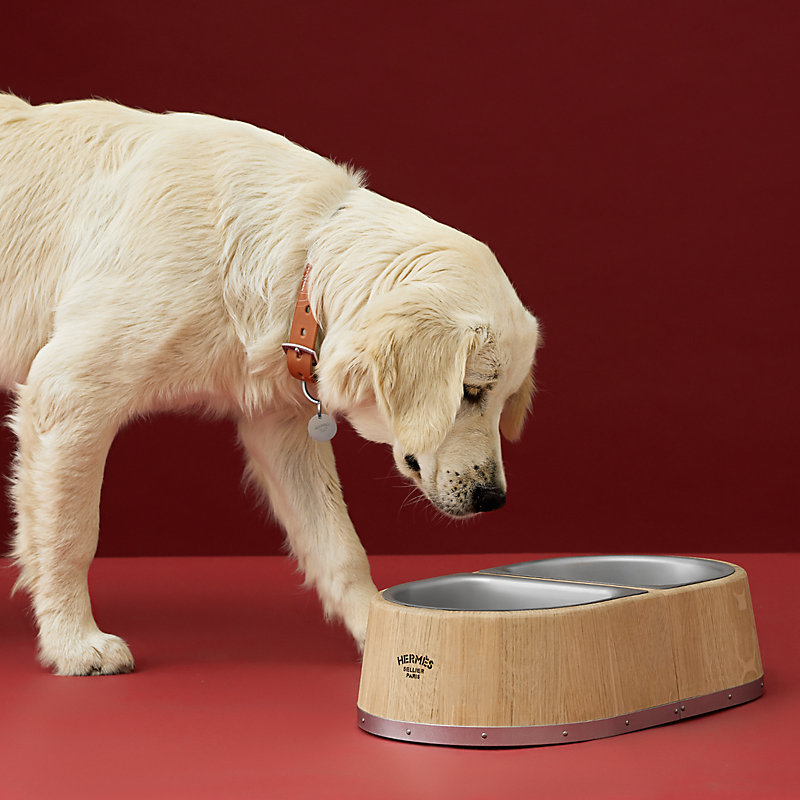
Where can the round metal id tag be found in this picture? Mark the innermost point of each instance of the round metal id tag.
(322, 428)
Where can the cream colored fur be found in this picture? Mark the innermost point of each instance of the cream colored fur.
(152, 262)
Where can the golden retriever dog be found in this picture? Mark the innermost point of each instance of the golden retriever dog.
(152, 262)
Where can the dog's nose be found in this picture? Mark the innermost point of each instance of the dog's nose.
(488, 498)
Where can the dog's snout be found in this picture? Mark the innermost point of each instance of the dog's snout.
(488, 498)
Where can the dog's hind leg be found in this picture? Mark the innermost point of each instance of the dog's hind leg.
(299, 477)
(65, 426)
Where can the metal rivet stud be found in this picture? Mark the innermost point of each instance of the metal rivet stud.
(363, 720)
(627, 722)
(564, 734)
(676, 710)
(408, 732)
(483, 736)
(730, 697)
(683, 708)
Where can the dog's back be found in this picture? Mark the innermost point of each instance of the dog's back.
(50, 160)
(95, 194)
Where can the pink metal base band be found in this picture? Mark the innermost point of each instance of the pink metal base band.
(519, 736)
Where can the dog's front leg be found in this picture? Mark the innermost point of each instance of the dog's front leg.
(299, 477)
(64, 430)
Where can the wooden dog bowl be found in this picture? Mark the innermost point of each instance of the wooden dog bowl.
(558, 650)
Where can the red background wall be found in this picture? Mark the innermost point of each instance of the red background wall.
(633, 165)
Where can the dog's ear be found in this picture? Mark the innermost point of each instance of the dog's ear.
(516, 410)
(411, 350)
(518, 405)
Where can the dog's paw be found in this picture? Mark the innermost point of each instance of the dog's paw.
(360, 638)
(356, 612)
(97, 653)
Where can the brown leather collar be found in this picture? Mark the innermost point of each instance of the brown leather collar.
(301, 357)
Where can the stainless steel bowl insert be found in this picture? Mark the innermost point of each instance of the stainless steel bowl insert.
(471, 591)
(646, 572)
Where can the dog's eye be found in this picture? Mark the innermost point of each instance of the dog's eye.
(412, 463)
(474, 394)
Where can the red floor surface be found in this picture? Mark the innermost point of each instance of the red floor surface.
(242, 691)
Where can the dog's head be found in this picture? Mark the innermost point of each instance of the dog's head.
(438, 371)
